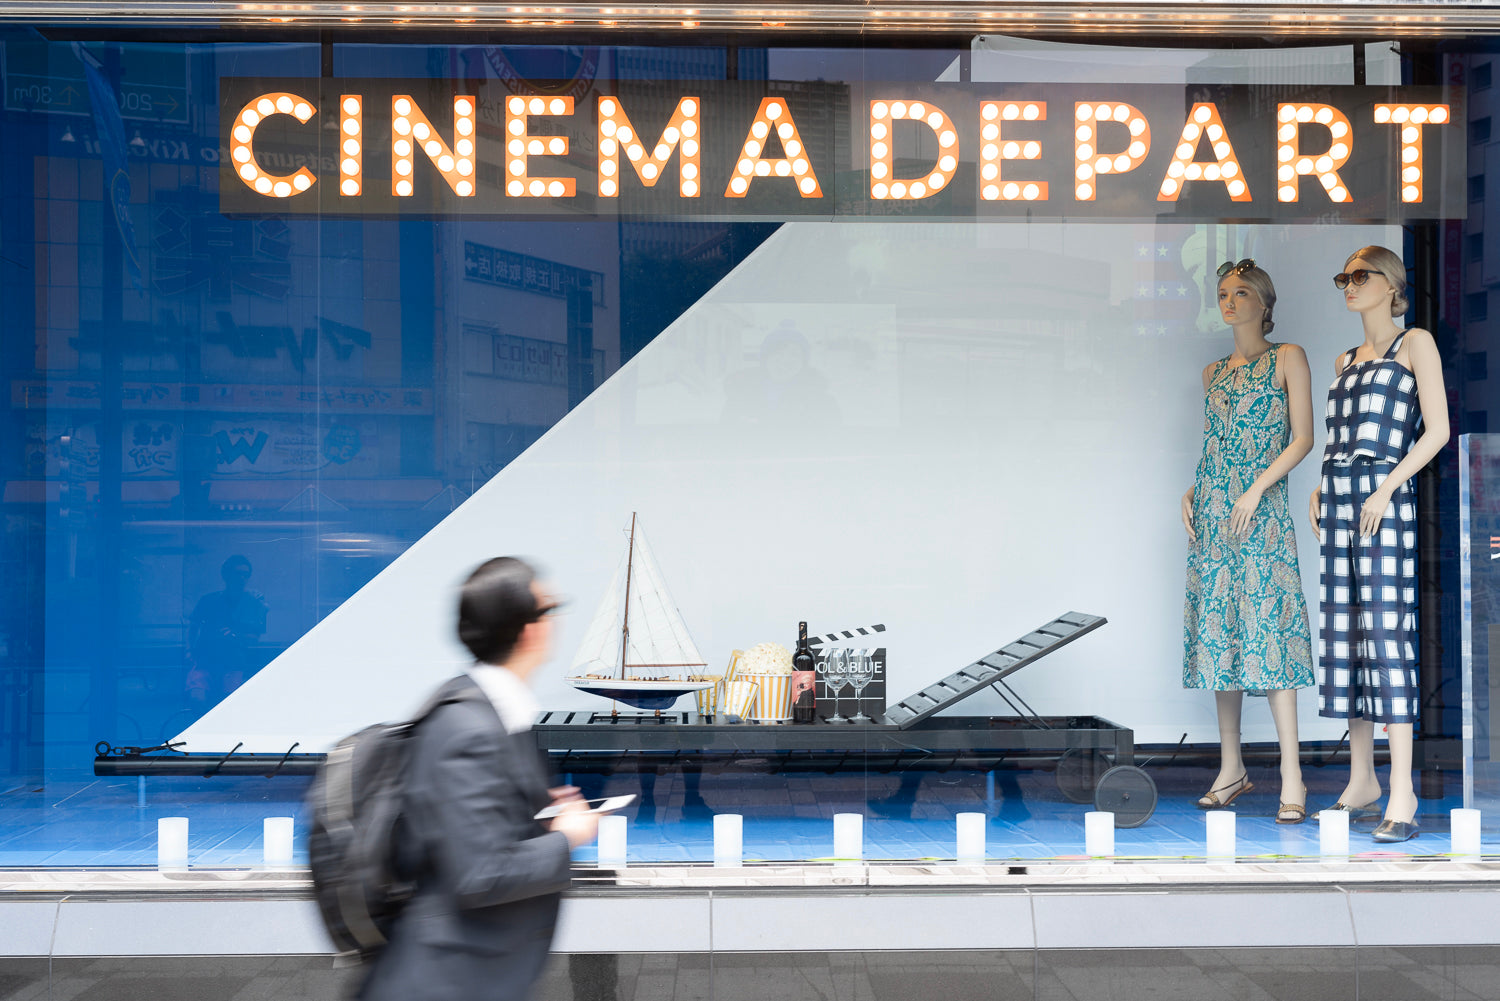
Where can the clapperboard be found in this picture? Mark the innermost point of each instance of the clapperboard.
(871, 701)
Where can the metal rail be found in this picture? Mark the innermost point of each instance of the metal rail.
(1344, 20)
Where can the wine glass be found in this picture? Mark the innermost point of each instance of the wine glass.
(836, 676)
(861, 672)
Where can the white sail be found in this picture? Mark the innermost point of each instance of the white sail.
(659, 644)
(599, 653)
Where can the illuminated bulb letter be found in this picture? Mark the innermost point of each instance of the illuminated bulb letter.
(773, 114)
(995, 148)
(1291, 161)
(520, 145)
(411, 131)
(1410, 118)
(883, 183)
(617, 134)
(351, 144)
(1089, 156)
(242, 144)
(1203, 120)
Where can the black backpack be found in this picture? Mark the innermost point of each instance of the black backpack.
(361, 867)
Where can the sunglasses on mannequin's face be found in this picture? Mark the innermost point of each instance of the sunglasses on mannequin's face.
(1357, 278)
(1227, 268)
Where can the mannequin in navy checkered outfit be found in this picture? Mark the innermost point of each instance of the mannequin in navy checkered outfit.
(1387, 417)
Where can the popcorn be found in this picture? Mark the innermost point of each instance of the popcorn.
(766, 658)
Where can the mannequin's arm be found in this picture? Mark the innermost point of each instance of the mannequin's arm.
(1427, 366)
(1293, 363)
(1315, 503)
(1188, 498)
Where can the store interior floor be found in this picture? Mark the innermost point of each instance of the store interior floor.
(96, 821)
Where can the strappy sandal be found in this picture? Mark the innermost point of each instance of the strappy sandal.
(1297, 813)
(1211, 801)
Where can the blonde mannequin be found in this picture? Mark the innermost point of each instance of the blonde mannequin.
(1385, 391)
(1245, 617)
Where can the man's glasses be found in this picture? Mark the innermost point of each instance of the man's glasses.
(545, 610)
(1356, 278)
(1226, 269)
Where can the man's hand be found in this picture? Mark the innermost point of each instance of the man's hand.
(564, 794)
(576, 823)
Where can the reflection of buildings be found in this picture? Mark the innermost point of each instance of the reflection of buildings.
(533, 328)
(1472, 256)
(1469, 273)
(313, 393)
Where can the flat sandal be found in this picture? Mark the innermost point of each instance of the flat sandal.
(1298, 811)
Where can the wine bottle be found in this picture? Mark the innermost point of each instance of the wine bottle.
(804, 695)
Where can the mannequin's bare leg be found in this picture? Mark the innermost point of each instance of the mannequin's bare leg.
(1402, 805)
(1231, 764)
(1284, 711)
(1363, 788)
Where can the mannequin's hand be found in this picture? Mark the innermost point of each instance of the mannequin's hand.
(1373, 510)
(1314, 509)
(1187, 514)
(1242, 515)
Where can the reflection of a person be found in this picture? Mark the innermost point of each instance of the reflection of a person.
(223, 626)
(783, 390)
(1207, 244)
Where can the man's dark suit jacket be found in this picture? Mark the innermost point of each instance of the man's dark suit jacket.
(481, 923)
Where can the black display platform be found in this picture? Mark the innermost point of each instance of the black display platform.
(578, 741)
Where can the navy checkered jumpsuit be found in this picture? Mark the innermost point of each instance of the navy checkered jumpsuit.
(1367, 592)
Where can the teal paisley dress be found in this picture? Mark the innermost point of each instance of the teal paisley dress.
(1245, 619)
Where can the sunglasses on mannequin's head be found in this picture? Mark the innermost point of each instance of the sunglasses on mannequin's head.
(1226, 269)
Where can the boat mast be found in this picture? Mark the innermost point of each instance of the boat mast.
(625, 622)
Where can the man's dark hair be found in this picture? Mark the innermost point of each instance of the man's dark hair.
(495, 604)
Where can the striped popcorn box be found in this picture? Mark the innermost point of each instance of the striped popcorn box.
(739, 699)
(774, 703)
(708, 698)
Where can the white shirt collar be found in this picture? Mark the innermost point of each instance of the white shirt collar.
(511, 697)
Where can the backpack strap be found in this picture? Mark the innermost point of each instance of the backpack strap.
(460, 688)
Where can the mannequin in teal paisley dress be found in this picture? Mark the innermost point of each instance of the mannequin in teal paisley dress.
(1245, 618)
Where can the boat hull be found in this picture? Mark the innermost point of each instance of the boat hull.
(639, 694)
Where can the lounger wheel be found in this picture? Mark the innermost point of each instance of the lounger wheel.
(1127, 792)
(1078, 773)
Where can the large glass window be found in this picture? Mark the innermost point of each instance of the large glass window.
(911, 344)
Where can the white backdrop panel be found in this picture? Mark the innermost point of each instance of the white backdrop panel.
(959, 430)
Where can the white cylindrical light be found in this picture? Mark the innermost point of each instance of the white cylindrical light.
(729, 838)
(1220, 841)
(848, 835)
(1098, 833)
(172, 841)
(1465, 826)
(612, 840)
(276, 846)
(1333, 833)
(971, 846)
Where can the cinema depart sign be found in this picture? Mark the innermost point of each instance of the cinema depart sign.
(753, 149)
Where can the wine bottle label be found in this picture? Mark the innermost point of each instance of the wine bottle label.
(802, 681)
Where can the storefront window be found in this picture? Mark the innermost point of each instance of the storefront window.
(908, 343)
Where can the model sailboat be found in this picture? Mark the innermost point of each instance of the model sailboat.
(637, 650)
